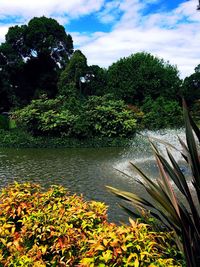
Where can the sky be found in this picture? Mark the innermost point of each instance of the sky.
(107, 30)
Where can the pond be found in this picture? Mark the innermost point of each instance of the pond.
(85, 171)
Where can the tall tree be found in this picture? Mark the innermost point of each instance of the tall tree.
(45, 36)
(32, 57)
(11, 64)
(140, 75)
(70, 79)
(78, 77)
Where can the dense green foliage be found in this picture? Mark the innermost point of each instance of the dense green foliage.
(177, 210)
(38, 59)
(196, 111)
(141, 75)
(79, 79)
(70, 77)
(159, 113)
(53, 228)
(4, 122)
(98, 116)
(191, 86)
(17, 138)
(110, 117)
(46, 47)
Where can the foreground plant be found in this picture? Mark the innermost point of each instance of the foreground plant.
(183, 217)
(45, 228)
(52, 228)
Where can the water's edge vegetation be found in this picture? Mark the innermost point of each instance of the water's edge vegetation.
(20, 139)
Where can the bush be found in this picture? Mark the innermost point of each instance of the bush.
(110, 118)
(17, 138)
(47, 228)
(135, 245)
(98, 116)
(30, 117)
(4, 122)
(53, 228)
(161, 113)
(57, 123)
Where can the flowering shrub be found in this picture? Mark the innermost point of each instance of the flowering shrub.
(53, 228)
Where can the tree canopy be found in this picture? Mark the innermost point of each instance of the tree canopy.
(31, 58)
(41, 36)
(37, 60)
(79, 78)
(140, 75)
(70, 77)
(191, 86)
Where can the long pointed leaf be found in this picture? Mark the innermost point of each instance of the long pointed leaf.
(129, 196)
(195, 165)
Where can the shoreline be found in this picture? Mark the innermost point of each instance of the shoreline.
(21, 139)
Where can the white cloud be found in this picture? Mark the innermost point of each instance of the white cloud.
(81, 39)
(56, 8)
(3, 31)
(111, 12)
(173, 36)
(20, 12)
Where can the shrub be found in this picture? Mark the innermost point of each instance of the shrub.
(110, 118)
(53, 228)
(159, 113)
(4, 122)
(98, 116)
(29, 117)
(134, 245)
(57, 123)
(47, 228)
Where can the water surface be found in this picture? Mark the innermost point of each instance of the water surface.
(84, 170)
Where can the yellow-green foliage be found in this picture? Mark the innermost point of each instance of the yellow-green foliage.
(53, 228)
(135, 245)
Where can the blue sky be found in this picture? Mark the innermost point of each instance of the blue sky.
(106, 30)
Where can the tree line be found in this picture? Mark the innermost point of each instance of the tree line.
(38, 59)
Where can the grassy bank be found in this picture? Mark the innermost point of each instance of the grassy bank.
(16, 138)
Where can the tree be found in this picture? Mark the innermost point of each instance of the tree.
(47, 37)
(140, 75)
(98, 83)
(32, 57)
(69, 82)
(11, 64)
(191, 87)
(80, 79)
(159, 113)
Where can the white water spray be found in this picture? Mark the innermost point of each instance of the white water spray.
(141, 154)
